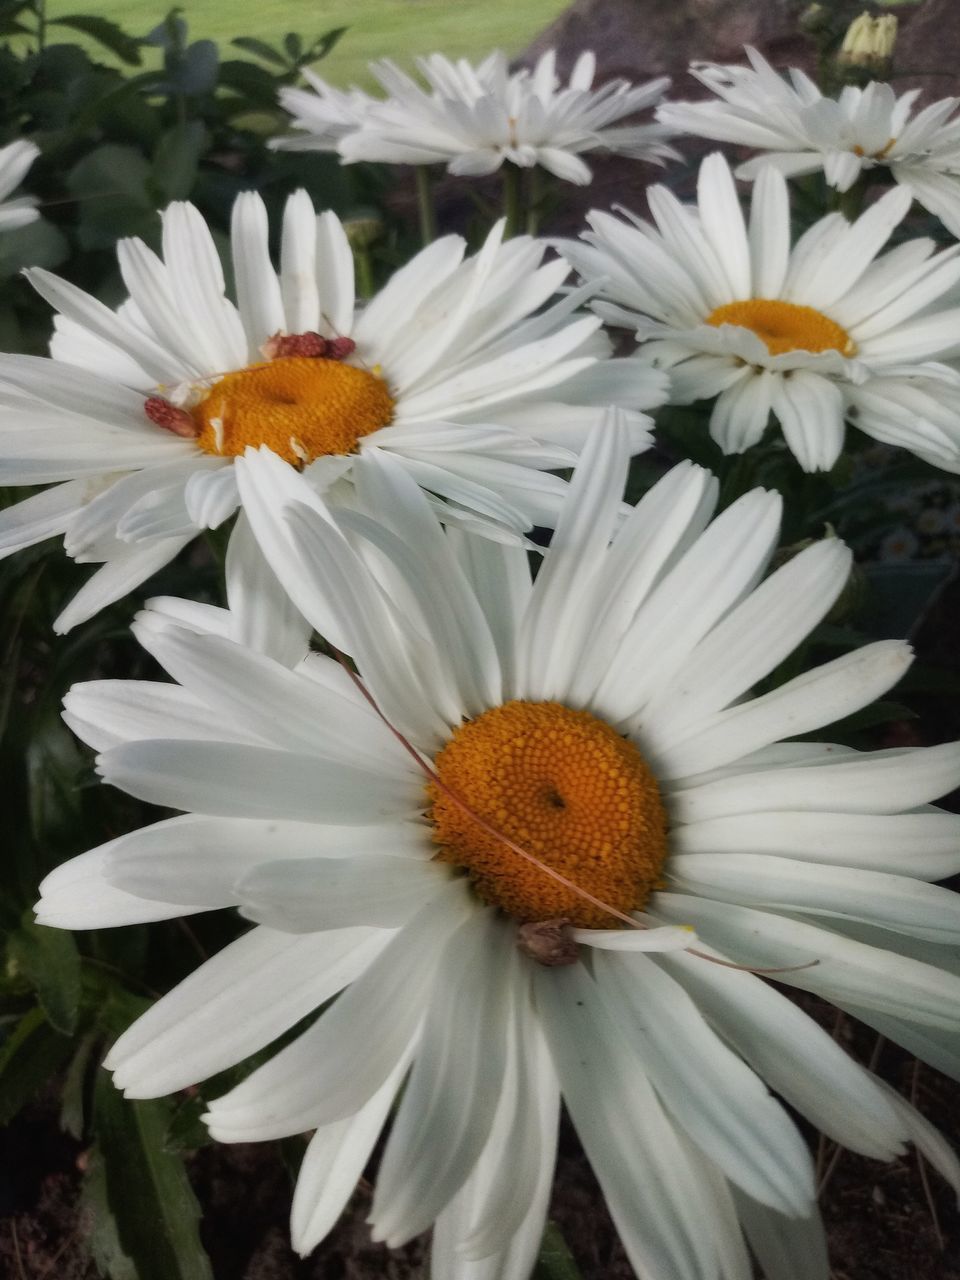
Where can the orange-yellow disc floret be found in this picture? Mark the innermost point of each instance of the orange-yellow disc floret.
(568, 789)
(786, 326)
(300, 407)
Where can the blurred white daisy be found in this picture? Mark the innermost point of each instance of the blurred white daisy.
(15, 160)
(469, 370)
(473, 119)
(323, 113)
(818, 335)
(800, 130)
(563, 758)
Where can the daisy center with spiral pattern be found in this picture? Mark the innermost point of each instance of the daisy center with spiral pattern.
(785, 326)
(566, 788)
(300, 407)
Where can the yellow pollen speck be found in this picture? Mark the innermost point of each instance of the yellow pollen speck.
(300, 407)
(785, 326)
(568, 789)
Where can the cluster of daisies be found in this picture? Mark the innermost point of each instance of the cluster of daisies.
(525, 829)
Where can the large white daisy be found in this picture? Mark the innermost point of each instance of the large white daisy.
(800, 130)
(456, 838)
(469, 370)
(819, 334)
(15, 160)
(473, 119)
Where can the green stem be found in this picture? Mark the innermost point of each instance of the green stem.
(364, 268)
(850, 202)
(40, 9)
(428, 212)
(536, 191)
(555, 1261)
(512, 198)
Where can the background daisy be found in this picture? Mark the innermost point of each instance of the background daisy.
(820, 334)
(800, 130)
(476, 118)
(15, 160)
(597, 721)
(469, 369)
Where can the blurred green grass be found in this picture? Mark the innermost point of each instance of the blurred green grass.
(400, 29)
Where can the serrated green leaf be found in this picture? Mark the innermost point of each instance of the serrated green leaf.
(49, 959)
(260, 49)
(105, 32)
(155, 1212)
(30, 1055)
(555, 1261)
(104, 1240)
(322, 46)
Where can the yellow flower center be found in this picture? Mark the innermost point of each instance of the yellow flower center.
(784, 326)
(569, 790)
(300, 407)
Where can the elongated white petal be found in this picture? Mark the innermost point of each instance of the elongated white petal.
(330, 1071)
(449, 1103)
(820, 961)
(792, 1054)
(236, 1003)
(723, 1107)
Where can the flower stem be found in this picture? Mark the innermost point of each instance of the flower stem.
(428, 212)
(512, 199)
(536, 191)
(850, 202)
(363, 265)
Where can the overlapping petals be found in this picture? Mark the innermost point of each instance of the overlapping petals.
(302, 808)
(474, 119)
(671, 282)
(491, 378)
(800, 130)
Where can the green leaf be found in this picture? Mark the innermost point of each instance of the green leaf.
(104, 1239)
(72, 1108)
(555, 1261)
(111, 184)
(196, 71)
(31, 1054)
(187, 1132)
(260, 49)
(149, 1197)
(38, 244)
(54, 766)
(105, 32)
(50, 960)
(177, 157)
(322, 46)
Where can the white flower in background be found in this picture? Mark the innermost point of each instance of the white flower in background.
(801, 131)
(15, 160)
(473, 119)
(468, 369)
(325, 114)
(600, 723)
(818, 334)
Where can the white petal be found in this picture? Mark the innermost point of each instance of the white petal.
(78, 895)
(310, 894)
(330, 1071)
(234, 780)
(263, 617)
(235, 1003)
(449, 1102)
(794, 1055)
(723, 1107)
(118, 576)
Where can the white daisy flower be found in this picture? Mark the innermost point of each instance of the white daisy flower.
(801, 131)
(15, 160)
(456, 838)
(324, 113)
(818, 334)
(468, 369)
(473, 119)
